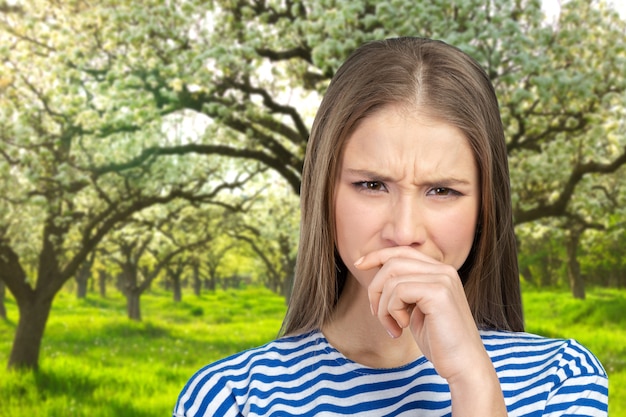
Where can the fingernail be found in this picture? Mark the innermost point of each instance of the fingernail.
(359, 261)
(372, 309)
(391, 334)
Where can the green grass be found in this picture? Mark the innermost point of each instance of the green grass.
(96, 363)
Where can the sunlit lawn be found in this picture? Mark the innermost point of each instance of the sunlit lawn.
(95, 362)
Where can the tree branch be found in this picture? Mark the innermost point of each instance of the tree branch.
(559, 206)
(12, 273)
(297, 52)
(288, 172)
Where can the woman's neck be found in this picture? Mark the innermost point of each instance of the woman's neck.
(360, 337)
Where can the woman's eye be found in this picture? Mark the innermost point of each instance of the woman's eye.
(373, 185)
(442, 191)
(370, 185)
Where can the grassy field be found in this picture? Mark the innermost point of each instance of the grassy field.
(97, 363)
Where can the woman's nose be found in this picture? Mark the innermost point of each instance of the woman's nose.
(405, 224)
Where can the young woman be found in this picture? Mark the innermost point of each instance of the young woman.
(406, 300)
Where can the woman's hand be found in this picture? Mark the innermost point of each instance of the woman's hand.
(412, 290)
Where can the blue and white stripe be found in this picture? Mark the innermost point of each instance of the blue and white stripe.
(305, 376)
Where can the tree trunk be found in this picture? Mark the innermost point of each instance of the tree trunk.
(131, 290)
(197, 282)
(133, 307)
(176, 288)
(82, 277)
(34, 314)
(81, 285)
(3, 310)
(576, 282)
(102, 283)
(287, 286)
(120, 283)
(211, 282)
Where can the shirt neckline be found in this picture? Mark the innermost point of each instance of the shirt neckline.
(343, 360)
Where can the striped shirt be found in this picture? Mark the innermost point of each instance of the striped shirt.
(305, 376)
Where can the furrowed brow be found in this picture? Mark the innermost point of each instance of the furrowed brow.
(365, 173)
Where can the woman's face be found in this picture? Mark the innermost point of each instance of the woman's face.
(406, 180)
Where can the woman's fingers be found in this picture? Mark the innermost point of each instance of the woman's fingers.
(416, 294)
(400, 305)
(399, 265)
(412, 290)
(380, 257)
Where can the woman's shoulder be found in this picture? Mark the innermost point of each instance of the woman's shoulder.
(258, 361)
(283, 349)
(560, 376)
(511, 350)
(218, 385)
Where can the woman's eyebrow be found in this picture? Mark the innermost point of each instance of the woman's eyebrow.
(434, 180)
(365, 173)
(446, 182)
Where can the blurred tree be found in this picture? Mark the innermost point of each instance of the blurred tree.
(102, 282)
(3, 310)
(54, 211)
(214, 258)
(255, 63)
(83, 274)
(585, 240)
(252, 67)
(197, 234)
(601, 258)
(271, 231)
(600, 251)
(57, 127)
(174, 272)
(90, 94)
(542, 254)
(157, 240)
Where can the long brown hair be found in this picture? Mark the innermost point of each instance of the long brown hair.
(448, 85)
